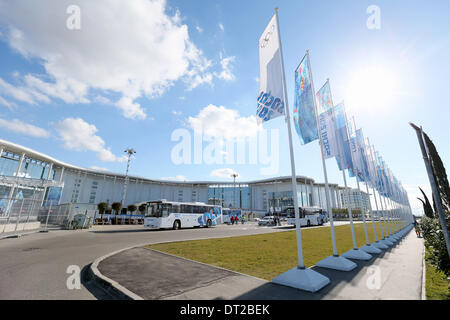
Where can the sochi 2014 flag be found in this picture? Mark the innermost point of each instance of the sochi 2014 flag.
(270, 99)
(356, 155)
(362, 154)
(304, 109)
(327, 126)
(342, 137)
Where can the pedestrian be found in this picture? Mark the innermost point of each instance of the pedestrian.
(417, 228)
(243, 219)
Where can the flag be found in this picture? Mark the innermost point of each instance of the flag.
(327, 126)
(304, 109)
(362, 154)
(343, 139)
(270, 102)
(324, 101)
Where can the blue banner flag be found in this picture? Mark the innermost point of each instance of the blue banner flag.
(304, 109)
(324, 101)
(343, 139)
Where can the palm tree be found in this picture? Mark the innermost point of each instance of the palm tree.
(142, 208)
(132, 208)
(102, 207)
(116, 206)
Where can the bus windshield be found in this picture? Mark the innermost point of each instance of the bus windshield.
(158, 209)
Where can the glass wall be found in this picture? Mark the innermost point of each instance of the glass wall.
(229, 196)
(30, 168)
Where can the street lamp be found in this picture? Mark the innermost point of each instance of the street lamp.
(130, 152)
(234, 175)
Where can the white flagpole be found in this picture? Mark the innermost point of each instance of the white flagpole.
(357, 182)
(367, 248)
(385, 238)
(335, 261)
(373, 160)
(324, 167)
(354, 253)
(301, 264)
(299, 277)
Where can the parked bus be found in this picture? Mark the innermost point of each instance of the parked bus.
(309, 216)
(170, 214)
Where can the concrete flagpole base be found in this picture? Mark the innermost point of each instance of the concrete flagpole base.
(370, 248)
(337, 263)
(303, 279)
(386, 242)
(392, 239)
(357, 255)
(379, 245)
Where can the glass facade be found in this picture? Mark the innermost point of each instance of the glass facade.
(229, 196)
(30, 168)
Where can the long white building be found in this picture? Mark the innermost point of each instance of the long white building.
(26, 173)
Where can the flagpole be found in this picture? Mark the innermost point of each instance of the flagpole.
(367, 248)
(299, 277)
(385, 238)
(301, 264)
(357, 181)
(373, 160)
(354, 253)
(335, 261)
(324, 167)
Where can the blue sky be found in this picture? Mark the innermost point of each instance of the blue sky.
(134, 73)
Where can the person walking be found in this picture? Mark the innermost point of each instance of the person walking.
(417, 228)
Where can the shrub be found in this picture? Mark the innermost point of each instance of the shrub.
(435, 243)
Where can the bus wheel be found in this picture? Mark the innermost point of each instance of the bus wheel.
(209, 223)
(176, 225)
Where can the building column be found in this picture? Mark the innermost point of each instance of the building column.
(45, 188)
(13, 187)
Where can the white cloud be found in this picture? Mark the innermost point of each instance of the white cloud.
(22, 93)
(221, 27)
(144, 58)
(218, 121)
(226, 73)
(223, 173)
(6, 103)
(199, 29)
(79, 135)
(176, 178)
(176, 113)
(21, 127)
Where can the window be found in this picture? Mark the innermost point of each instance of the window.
(185, 208)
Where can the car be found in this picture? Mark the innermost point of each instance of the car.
(267, 221)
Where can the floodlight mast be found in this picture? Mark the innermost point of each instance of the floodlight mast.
(130, 152)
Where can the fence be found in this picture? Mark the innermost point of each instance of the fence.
(22, 214)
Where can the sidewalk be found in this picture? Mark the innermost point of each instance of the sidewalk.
(396, 273)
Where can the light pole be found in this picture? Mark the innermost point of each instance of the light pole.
(234, 175)
(130, 152)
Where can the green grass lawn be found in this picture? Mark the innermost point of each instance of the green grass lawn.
(437, 287)
(267, 255)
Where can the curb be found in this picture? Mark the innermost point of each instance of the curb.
(111, 287)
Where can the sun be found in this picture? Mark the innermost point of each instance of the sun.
(371, 88)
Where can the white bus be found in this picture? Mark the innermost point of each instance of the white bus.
(309, 216)
(170, 214)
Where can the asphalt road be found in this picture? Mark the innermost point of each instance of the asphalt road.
(34, 266)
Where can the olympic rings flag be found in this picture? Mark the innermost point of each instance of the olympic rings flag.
(270, 98)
